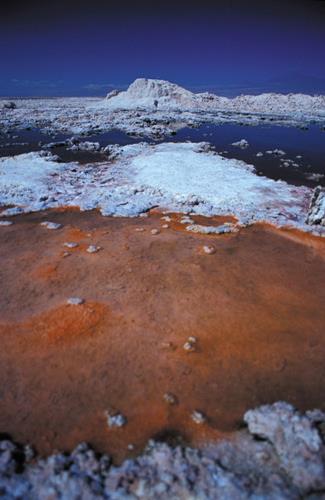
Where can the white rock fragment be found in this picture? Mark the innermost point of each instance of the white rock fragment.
(154, 231)
(139, 229)
(165, 226)
(259, 154)
(189, 346)
(75, 301)
(93, 249)
(70, 244)
(51, 225)
(170, 398)
(209, 249)
(115, 419)
(186, 220)
(166, 218)
(243, 143)
(6, 222)
(198, 417)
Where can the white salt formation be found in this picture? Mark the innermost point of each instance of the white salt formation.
(51, 225)
(285, 462)
(183, 177)
(75, 301)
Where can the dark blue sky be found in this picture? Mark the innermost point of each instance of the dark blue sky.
(84, 48)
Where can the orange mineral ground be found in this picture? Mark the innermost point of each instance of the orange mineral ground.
(256, 307)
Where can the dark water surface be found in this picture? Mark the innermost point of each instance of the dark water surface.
(309, 144)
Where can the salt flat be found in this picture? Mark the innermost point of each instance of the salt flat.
(176, 176)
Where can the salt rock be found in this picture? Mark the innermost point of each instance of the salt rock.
(70, 244)
(115, 419)
(296, 441)
(189, 346)
(198, 417)
(316, 211)
(75, 301)
(171, 399)
(93, 249)
(241, 144)
(186, 220)
(51, 225)
(209, 249)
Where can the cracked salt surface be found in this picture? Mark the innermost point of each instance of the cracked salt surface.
(183, 177)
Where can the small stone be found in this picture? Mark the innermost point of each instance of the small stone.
(93, 249)
(115, 419)
(186, 220)
(5, 223)
(189, 347)
(166, 218)
(139, 229)
(75, 301)
(165, 226)
(130, 446)
(154, 231)
(198, 417)
(51, 225)
(144, 214)
(70, 244)
(66, 254)
(192, 340)
(171, 399)
(209, 249)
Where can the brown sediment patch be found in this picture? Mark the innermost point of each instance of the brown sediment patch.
(256, 307)
(61, 325)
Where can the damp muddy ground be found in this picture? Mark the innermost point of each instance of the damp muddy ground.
(255, 306)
